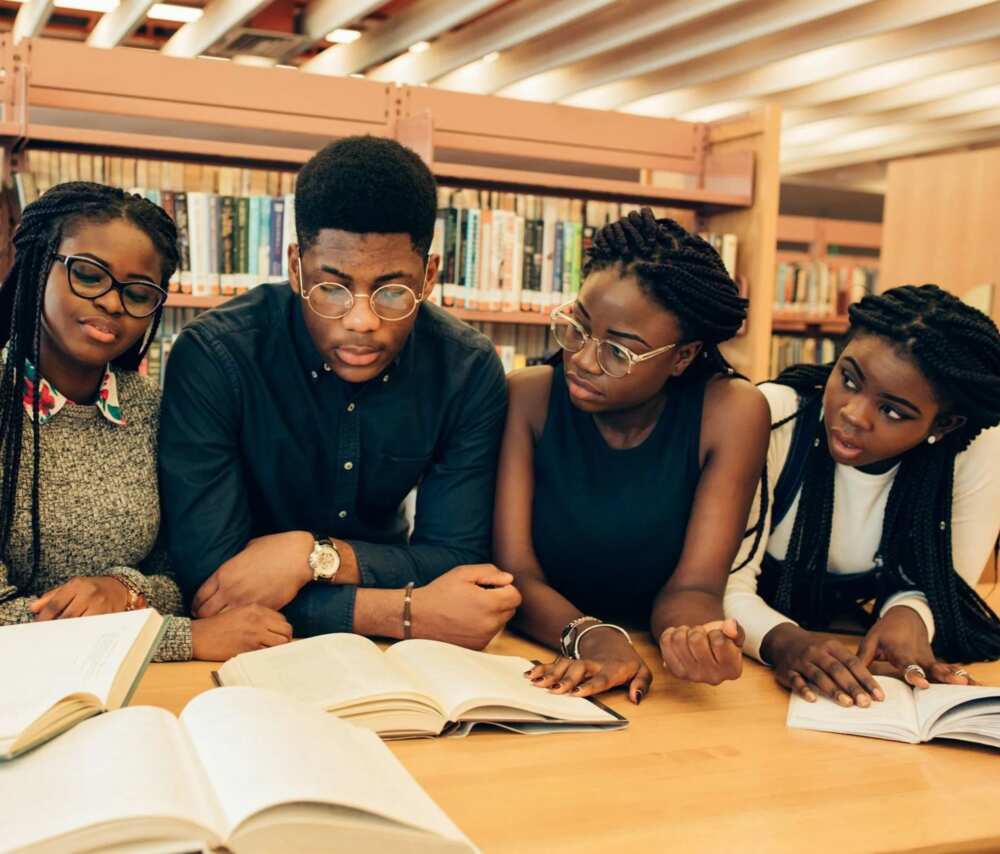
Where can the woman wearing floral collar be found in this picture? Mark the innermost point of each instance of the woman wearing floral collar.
(79, 502)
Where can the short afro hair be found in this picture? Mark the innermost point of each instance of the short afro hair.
(366, 185)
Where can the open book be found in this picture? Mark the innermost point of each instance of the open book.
(59, 672)
(962, 712)
(414, 688)
(245, 769)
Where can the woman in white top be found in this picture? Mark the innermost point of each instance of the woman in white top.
(883, 483)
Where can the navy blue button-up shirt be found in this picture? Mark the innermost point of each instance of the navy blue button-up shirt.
(257, 438)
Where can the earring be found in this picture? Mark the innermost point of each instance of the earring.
(931, 439)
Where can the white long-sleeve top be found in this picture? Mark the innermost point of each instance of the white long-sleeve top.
(859, 501)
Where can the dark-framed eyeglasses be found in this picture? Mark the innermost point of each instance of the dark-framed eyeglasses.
(90, 279)
(616, 360)
(332, 300)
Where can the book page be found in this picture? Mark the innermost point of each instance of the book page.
(132, 763)
(261, 749)
(893, 718)
(40, 663)
(941, 706)
(461, 679)
(329, 671)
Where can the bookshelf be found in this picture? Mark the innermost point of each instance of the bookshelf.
(63, 96)
(837, 258)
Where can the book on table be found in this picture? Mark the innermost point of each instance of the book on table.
(414, 688)
(961, 712)
(241, 769)
(59, 672)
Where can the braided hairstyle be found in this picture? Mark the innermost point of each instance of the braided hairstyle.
(683, 273)
(957, 348)
(44, 224)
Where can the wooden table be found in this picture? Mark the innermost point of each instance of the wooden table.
(700, 769)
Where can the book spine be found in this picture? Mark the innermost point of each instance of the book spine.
(277, 235)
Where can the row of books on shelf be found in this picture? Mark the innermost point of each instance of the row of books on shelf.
(788, 350)
(516, 252)
(499, 251)
(821, 289)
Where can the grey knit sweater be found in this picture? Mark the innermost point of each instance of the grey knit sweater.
(99, 509)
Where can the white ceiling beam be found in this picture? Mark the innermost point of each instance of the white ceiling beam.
(118, 24)
(686, 34)
(219, 18)
(919, 144)
(929, 78)
(325, 16)
(815, 133)
(623, 23)
(512, 25)
(31, 19)
(939, 33)
(421, 21)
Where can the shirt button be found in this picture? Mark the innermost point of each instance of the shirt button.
(385, 378)
(342, 514)
(314, 375)
(348, 465)
(351, 407)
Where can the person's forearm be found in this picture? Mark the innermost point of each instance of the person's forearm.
(394, 566)
(544, 611)
(685, 608)
(378, 613)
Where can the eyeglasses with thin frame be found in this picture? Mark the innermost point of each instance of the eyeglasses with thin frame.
(90, 279)
(333, 300)
(614, 359)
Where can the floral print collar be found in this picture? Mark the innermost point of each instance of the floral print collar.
(50, 401)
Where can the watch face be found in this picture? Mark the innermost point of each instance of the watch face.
(325, 561)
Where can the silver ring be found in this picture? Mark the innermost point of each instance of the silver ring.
(913, 668)
(961, 672)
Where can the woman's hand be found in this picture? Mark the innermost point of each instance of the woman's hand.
(810, 665)
(609, 660)
(240, 629)
(710, 653)
(900, 639)
(82, 596)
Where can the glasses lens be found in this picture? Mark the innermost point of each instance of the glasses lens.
(567, 335)
(612, 359)
(141, 300)
(330, 300)
(393, 302)
(86, 279)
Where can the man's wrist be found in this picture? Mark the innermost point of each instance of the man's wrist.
(377, 612)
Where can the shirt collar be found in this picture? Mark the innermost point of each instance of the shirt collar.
(51, 401)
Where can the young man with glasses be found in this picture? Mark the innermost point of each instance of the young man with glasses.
(297, 418)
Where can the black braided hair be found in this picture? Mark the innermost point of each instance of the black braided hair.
(680, 271)
(44, 224)
(957, 348)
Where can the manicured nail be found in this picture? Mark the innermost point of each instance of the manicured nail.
(538, 679)
(878, 695)
(638, 697)
(557, 685)
(844, 699)
(863, 701)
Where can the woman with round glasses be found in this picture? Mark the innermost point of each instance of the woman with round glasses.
(628, 467)
(79, 501)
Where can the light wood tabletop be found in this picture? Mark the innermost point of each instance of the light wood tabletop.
(699, 769)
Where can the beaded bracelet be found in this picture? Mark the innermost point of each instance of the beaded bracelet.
(407, 615)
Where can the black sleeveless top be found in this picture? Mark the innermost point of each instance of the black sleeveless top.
(608, 525)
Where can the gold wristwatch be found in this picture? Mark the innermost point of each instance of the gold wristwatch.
(324, 560)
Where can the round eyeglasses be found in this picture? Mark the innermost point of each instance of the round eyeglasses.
(90, 280)
(614, 359)
(333, 300)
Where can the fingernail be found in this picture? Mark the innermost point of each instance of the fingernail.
(537, 679)
(863, 701)
(844, 700)
(878, 695)
(638, 697)
(811, 697)
(557, 685)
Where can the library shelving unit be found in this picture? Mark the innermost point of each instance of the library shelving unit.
(61, 95)
(803, 239)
